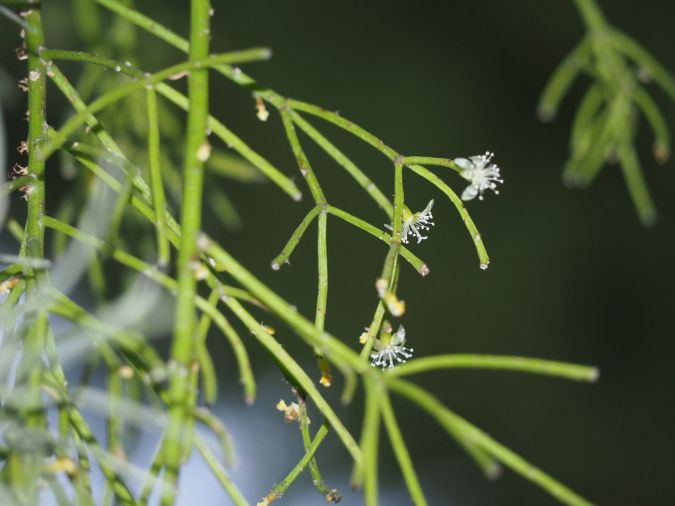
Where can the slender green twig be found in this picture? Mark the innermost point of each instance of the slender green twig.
(401, 451)
(219, 472)
(280, 489)
(158, 199)
(522, 364)
(286, 253)
(197, 151)
(329, 494)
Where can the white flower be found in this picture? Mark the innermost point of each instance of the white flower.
(414, 222)
(481, 174)
(389, 348)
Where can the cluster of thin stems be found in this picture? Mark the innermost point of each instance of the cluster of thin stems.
(134, 369)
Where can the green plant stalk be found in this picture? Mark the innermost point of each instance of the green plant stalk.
(385, 284)
(280, 489)
(401, 451)
(219, 472)
(330, 495)
(301, 158)
(448, 163)
(453, 422)
(561, 80)
(359, 176)
(23, 469)
(637, 187)
(322, 244)
(208, 373)
(180, 428)
(521, 364)
(591, 14)
(367, 471)
(661, 146)
(158, 199)
(192, 66)
(286, 253)
(115, 424)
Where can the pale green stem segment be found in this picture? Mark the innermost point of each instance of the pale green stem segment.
(365, 472)
(180, 428)
(218, 128)
(448, 163)
(521, 364)
(561, 80)
(637, 187)
(193, 67)
(208, 372)
(158, 199)
(286, 253)
(661, 146)
(219, 472)
(280, 489)
(456, 424)
(21, 468)
(301, 158)
(331, 495)
(322, 243)
(401, 451)
(385, 284)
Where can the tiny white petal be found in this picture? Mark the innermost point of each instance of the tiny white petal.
(464, 164)
(469, 192)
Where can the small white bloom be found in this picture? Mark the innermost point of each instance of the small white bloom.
(389, 348)
(414, 222)
(481, 174)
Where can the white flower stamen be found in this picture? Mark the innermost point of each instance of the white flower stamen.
(481, 174)
(386, 353)
(414, 222)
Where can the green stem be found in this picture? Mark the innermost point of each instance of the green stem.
(286, 253)
(280, 489)
(219, 472)
(329, 494)
(197, 150)
(158, 199)
(401, 451)
(521, 364)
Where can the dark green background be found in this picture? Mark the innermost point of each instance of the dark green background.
(573, 275)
